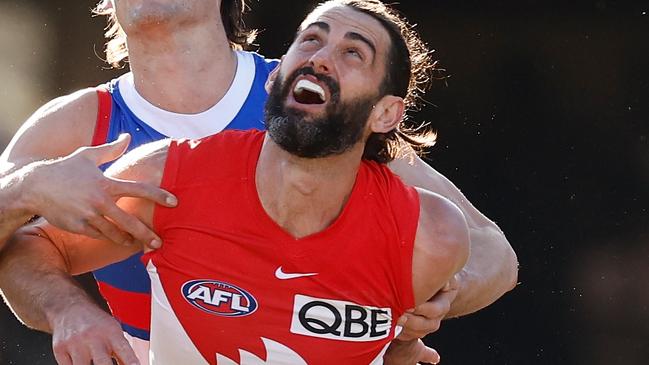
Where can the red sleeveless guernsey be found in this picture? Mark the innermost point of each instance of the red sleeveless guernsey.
(230, 286)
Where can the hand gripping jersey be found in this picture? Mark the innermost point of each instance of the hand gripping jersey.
(230, 286)
(126, 285)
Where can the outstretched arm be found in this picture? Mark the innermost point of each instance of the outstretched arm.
(492, 269)
(41, 258)
(72, 193)
(57, 177)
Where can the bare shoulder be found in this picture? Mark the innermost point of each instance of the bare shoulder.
(56, 129)
(442, 217)
(441, 244)
(145, 163)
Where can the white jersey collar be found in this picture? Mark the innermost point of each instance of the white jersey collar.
(199, 125)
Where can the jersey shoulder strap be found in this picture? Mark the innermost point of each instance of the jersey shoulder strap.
(104, 110)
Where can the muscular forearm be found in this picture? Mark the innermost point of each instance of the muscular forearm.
(35, 283)
(13, 207)
(34, 277)
(490, 272)
(492, 267)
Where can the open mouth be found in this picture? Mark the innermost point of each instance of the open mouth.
(308, 92)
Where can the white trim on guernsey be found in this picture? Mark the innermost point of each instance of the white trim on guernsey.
(140, 347)
(171, 345)
(166, 329)
(276, 354)
(199, 125)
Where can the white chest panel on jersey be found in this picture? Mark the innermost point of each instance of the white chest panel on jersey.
(277, 354)
(170, 344)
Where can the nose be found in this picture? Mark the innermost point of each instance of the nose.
(321, 61)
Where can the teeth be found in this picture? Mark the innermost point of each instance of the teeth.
(310, 86)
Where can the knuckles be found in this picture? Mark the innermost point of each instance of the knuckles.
(85, 337)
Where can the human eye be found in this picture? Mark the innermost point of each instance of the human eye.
(354, 52)
(310, 39)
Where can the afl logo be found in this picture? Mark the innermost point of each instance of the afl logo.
(219, 298)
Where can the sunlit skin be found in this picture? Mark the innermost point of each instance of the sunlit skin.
(182, 62)
(183, 40)
(304, 195)
(134, 15)
(351, 48)
(348, 46)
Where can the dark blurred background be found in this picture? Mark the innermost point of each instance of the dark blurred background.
(543, 122)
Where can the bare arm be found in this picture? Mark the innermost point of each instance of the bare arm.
(49, 173)
(441, 245)
(492, 267)
(41, 257)
(441, 250)
(52, 250)
(15, 208)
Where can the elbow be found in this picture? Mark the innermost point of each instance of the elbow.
(512, 269)
(504, 255)
(509, 264)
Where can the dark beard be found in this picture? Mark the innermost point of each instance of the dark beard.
(340, 127)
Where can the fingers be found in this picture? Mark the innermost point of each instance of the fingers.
(427, 317)
(133, 226)
(81, 227)
(429, 355)
(62, 357)
(123, 352)
(418, 326)
(97, 354)
(437, 307)
(84, 334)
(110, 230)
(80, 356)
(410, 352)
(100, 355)
(402, 320)
(122, 188)
(109, 151)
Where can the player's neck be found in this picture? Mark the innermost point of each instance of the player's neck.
(304, 196)
(185, 71)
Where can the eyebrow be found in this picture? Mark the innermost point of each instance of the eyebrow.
(350, 35)
(322, 25)
(359, 37)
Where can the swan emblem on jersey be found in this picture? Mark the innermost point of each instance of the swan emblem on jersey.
(219, 298)
(276, 354)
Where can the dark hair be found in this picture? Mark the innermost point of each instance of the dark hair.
(408, 74)
(232, 12)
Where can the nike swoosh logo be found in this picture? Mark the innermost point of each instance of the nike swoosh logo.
(281, 275)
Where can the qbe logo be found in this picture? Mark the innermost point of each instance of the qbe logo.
(219, 298)
(339, 320)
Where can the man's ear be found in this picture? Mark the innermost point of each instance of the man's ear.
(272, 77)
(387, 113)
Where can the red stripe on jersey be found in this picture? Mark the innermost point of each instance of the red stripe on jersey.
(104, 110)
(128, 307)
